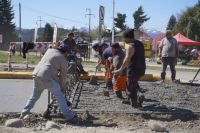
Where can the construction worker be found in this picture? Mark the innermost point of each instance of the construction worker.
(119, 78)
(72, 51)
(135, 63)
(105, 54)
(45, 76)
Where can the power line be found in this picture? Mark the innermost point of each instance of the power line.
(54, 16)
(40, 20)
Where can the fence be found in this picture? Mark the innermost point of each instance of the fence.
(26, 47)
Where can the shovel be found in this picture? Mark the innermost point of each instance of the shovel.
(93, 79)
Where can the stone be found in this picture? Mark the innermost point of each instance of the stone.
(16, 123)
(157, 126)
(52, 125)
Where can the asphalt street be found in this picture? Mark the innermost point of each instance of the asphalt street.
(14, 94)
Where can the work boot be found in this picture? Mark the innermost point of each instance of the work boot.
(119, 94)
(134, 102)
(141, 99)
(126, 101)
(109, 85)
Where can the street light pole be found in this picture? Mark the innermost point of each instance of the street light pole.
(113, 26)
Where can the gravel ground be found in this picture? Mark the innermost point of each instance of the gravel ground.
(173, 105)
(161, 98)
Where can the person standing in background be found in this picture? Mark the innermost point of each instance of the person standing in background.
(168, 52)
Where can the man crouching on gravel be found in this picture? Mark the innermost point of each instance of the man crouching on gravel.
(135, 63)
(45, 76)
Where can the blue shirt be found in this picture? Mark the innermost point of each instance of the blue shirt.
(107, 53)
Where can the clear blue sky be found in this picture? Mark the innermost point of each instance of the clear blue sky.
(158, 10)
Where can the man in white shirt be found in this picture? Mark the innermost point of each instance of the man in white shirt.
(168, 52)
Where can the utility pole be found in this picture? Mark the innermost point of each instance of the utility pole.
(89, 14)
(113, 26)
(20, 28)
(40, 22)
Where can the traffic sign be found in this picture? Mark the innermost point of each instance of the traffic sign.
(101, 14)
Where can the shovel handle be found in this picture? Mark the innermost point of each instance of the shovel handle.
(95, 72)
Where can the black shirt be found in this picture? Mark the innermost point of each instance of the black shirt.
(137, 63)
(71, 44)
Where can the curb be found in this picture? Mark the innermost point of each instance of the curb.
(15, 75)
(100, 76)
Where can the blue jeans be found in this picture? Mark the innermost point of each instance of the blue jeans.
(171, 61)
(54, 87)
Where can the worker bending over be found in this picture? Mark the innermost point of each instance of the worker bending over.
(45, 76)
(106, 55)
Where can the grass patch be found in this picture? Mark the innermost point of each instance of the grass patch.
(17, 59)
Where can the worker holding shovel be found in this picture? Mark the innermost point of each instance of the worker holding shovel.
(106, 61)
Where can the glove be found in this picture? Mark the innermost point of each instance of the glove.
(110, 59)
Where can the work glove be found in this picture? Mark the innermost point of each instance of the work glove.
(110, 59)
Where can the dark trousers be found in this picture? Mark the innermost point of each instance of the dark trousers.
(171, 61)
(132, 84)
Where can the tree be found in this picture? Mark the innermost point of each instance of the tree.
(7, 27)
(172, 22)
(48, 33)
(139, 18)
(120, 21)
(188, 23)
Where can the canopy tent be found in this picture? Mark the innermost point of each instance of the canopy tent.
(182, 40)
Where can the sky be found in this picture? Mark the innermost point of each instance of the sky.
(69, 13)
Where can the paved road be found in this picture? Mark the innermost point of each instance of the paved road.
(14, 93)
(184, 76)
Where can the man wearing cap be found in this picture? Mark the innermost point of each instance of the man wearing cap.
(45, 76)
(72, 51)
(119, 78)
(135, 63)
(106, 55)
(168, 52)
